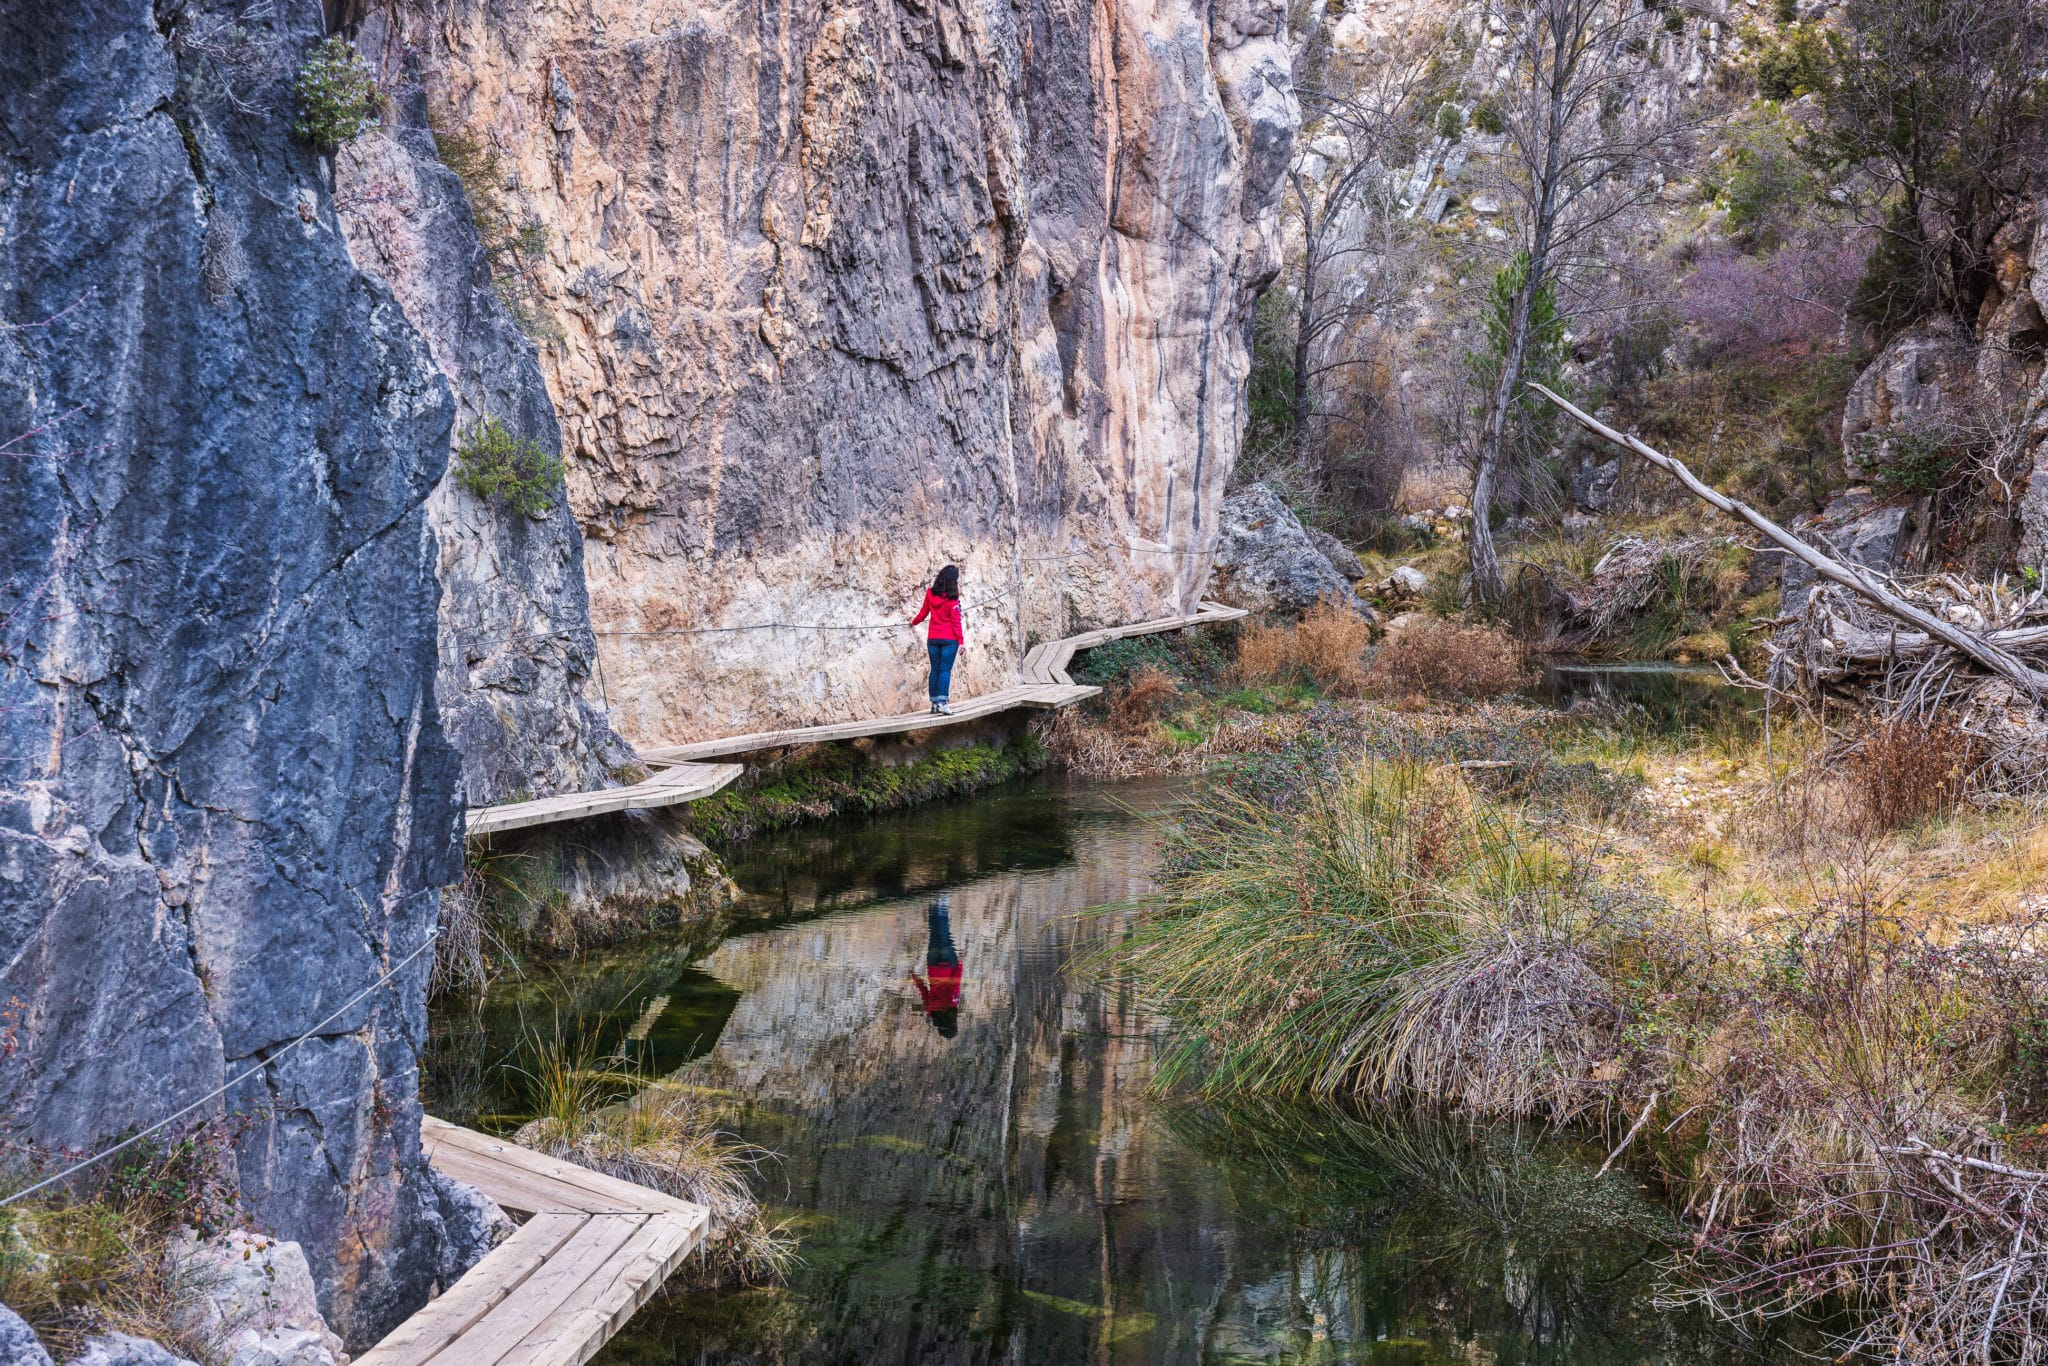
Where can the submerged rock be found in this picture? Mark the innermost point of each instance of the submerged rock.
(1266, 561)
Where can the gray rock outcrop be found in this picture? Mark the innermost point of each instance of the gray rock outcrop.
(1266, 562)
(1342, 557)
(124, 1349)
(1923, 383)
(1861, 528)
(254, 1296)
(225, 795)
(19, 1345)
(516, 649)
(472, 1224)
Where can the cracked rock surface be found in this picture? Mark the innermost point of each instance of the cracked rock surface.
(225, 793)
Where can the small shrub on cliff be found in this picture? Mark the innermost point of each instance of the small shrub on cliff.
(337, 96)
(90, 1259)
(493, 463)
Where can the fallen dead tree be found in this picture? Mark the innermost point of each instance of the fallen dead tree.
(1974, 653)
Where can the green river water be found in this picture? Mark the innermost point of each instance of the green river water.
(1009, 1188)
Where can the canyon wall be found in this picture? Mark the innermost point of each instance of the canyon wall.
(827, 295)
(225, 795)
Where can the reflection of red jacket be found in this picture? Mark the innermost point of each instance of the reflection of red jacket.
(945, 615)
(943, 991)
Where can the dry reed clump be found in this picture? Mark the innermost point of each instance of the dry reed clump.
(1326, 647)
(1513, 1021)
(1846, 1147)
(1416, 906)
(1906, 769)
(1143, 698)
(1444, 659)
(664, 1138)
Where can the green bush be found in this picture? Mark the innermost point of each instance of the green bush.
(1490, 116)
(493, 463)
(1799, 63)
(1450, 121)
(337, 97)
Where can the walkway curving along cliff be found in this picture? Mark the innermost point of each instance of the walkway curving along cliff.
(684, 777)
(592, 1250)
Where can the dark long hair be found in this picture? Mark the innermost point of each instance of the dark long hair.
(947, 584)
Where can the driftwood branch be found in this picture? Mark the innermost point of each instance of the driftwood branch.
(1985, 652)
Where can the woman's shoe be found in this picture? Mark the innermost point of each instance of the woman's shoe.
(943, 708)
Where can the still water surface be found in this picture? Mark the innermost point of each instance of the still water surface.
(995, 1181)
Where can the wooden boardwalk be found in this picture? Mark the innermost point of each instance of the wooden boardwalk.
(592, 1250)
(684, 777)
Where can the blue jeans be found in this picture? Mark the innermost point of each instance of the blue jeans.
(942, 652)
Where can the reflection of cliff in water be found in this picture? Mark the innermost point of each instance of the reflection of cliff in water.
(1012, 1194)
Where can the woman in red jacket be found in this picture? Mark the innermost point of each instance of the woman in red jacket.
(942, 605)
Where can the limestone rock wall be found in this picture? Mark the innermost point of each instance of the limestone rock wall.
(516, 652)
(225, 795)
(830, 294)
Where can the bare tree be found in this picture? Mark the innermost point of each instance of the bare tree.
(1573, 160)
(1351, 263)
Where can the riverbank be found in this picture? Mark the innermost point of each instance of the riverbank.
(1789, 975)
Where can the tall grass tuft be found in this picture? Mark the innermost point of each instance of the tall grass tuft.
(663, 1135)
(1385, 932)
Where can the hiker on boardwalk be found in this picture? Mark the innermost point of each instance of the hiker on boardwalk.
(942, 605)
(941, 995)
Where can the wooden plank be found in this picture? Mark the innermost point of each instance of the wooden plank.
(903, 723)
(525, 1192)
(680, 783)
(598, 1191)
(600, 1307)
(544, 1293)
(502, 1271)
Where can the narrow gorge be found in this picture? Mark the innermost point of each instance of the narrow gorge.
(807, 300)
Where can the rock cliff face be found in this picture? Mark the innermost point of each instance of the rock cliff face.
(225, 795)
(832, 294)
(516, 652)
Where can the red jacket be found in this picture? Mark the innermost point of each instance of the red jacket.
(943, 991)
(945, 615)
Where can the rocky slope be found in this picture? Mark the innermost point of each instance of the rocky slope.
(831, 295)
(225, 794)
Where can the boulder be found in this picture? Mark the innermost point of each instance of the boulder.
(122, 1349)
(1594, 484)
(1859, 527)
(473, 1223)
(253, 1295)
(1925, 379)
(19, 1345)
(1407, 581)
(1341, 557)
(1266, 562)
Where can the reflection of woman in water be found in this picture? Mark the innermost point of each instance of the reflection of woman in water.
(941, 994)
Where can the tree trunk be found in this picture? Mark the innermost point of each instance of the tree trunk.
(1303, 412)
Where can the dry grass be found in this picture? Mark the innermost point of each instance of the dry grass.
(1143, 698)
(1842, 1097)
(92, 1260)
(665, 1137)
(1327, 647)
(1445, 659)
(1905, 770)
